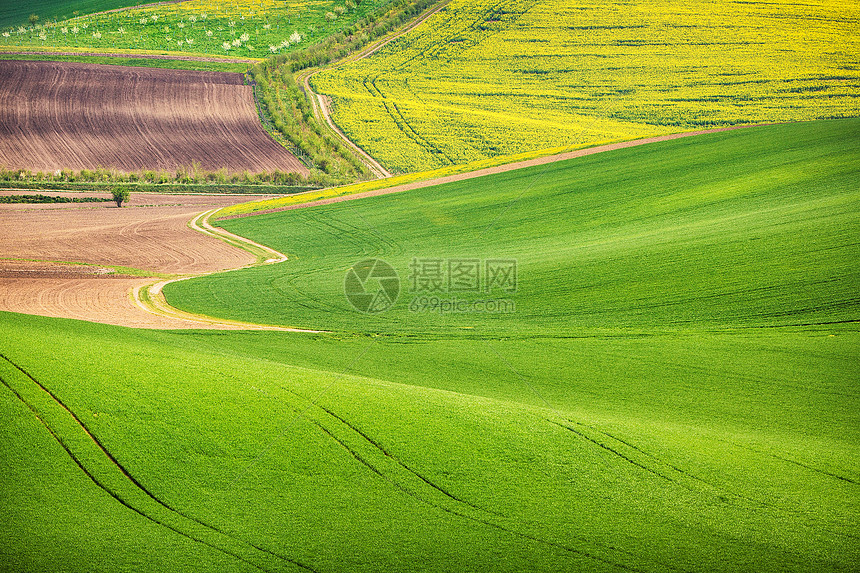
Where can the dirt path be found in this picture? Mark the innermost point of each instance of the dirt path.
(322, 104)
(151, 235)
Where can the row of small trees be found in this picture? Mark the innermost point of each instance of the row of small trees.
(287, 106)
(180, 176)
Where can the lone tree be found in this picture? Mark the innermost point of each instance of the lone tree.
(33, 19)
(120, 194)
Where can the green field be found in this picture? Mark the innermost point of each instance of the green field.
(488, 78)
(239, 28)
(18, 13)
(140, 62)
(676, 391)
(736, 229)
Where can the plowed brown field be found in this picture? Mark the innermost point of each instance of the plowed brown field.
(62, 115)
(151, 234)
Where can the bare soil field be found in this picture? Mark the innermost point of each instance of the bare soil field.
(64, 115)
(150, 234)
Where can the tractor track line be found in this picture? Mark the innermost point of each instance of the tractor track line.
(115, 463)
(483, 521)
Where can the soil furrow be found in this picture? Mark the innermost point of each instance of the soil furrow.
(66, 115)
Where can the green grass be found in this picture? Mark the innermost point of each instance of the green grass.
(729, 230)
(621, 419)
(686, 452)
(136, 62)
(260, 28)
(18, 13)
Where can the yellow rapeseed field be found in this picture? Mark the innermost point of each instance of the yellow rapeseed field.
(484, 78)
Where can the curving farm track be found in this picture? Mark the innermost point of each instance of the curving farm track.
(151, 235)
(60, 115)
(321, 104)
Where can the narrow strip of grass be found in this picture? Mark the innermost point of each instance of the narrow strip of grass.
(167, 188)
(139, 62)
(365, 186)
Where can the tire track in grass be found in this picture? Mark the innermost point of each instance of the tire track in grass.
(258, 557)
(794, 462)
(616, 453)
(721, 492)
(461, 513)
(399, 462)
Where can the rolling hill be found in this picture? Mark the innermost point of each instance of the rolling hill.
(676, 389)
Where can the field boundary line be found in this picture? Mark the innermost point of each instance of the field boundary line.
(150, 297)
(188, 58)
(504, 168)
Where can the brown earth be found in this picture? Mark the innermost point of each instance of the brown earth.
(65, 115)
(151, 234)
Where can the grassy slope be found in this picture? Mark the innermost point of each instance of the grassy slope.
(729, 230)
(18, 13)
(602, 435)
(212, 430)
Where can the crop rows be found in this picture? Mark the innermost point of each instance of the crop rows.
(484, 78)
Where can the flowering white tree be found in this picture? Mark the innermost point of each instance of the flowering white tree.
(295, 37)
